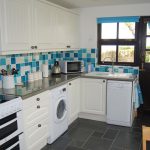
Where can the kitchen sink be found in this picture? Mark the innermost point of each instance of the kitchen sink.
(110, 75)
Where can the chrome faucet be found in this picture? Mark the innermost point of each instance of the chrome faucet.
(112, 65)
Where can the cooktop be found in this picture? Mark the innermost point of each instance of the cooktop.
(5, 98)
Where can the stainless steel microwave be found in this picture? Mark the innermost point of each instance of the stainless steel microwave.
(71, 66)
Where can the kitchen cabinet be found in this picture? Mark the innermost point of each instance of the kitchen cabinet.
(37, 25)
(15, 25)
(93, 96)
(44, 25)
(73, 99)
(35, 115)
(73, 30)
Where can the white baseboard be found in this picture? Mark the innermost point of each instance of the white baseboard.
(71, 120)
(92, 116)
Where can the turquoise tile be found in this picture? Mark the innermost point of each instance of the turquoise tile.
(3, 61)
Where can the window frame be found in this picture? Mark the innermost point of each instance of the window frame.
(118, 42)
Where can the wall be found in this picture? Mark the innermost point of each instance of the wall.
(88, 26)
(27, 63)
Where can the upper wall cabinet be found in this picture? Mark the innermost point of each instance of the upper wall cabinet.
(44, 25)
(37, 25)
(15, 24)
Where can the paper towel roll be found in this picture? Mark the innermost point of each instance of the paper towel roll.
(30, 77)
(45, 70)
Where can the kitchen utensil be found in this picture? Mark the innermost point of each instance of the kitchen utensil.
(56, 68)
(8, 82)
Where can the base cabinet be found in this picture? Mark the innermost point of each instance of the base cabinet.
(35, 113)
(93, 96)
(73, 99)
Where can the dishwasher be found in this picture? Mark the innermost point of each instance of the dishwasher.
(119, 103)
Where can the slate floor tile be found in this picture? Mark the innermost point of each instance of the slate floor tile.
(60, 144)
(97, 134)
(128, 140)
(73, 148)
(80, 134)
(111, 134)
(95, 143)
(117, 148)
(100, 127)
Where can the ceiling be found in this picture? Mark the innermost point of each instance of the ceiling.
(92, 3)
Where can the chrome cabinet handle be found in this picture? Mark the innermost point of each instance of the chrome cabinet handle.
(38, 106)
(38, 99)
(32, 47)
(68, 46)
(103, 81)
(69, 83)
(39, 125)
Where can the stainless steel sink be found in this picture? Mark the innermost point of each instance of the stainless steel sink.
(110, 75)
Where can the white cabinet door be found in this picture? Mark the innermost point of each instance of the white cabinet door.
(74, 99)
(15, 24)
(36, 135)
(35, 118)
(93, 96)
(73, 30)
(44, 25)
(61, 28)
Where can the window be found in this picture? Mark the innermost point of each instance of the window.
(147, 41)
(117, 40)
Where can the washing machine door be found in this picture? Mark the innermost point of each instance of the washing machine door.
(60, 110)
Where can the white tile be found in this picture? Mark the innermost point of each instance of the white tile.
(19, 60)
(84, 55)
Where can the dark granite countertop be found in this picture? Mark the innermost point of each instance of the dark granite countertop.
(30, 89)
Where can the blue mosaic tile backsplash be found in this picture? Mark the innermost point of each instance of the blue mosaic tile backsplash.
(26, 63)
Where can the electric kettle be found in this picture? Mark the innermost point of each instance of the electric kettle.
(56, 68)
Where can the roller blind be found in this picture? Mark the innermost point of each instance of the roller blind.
(117, 19)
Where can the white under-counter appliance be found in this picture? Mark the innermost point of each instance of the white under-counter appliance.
(11, 127)
(71, 66)
(119, 103)
(58, 113)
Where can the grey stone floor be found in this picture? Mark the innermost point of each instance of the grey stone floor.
(86, 134)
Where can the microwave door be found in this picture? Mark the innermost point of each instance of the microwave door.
(73, 67)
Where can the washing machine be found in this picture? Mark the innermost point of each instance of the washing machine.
(58, 113)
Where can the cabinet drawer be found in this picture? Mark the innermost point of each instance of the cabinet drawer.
(34, 121)
(32, 113)
(36, 135)
(39, 99)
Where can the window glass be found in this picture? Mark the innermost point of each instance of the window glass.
(148, 28)
(126, 53)
(108, 53)
(127, 30)
(148, 43)
(109, 30)
(147, 57)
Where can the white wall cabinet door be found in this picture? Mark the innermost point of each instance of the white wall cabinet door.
(44, 25)
(73, 99)
(15, 24)
(61, 28)
(36, 25)
(93, 96)
(73, 30)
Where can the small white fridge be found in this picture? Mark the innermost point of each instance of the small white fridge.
(119, 103)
